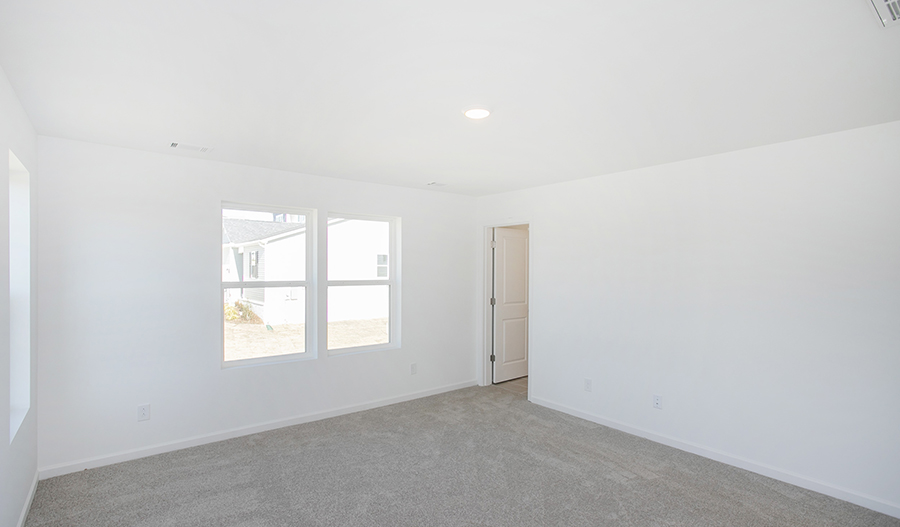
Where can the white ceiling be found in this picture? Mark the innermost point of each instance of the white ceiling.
(374, 90)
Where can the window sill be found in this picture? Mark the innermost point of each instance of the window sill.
(362, 349)
(261, 361)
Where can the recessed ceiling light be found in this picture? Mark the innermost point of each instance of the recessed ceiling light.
(477, 113)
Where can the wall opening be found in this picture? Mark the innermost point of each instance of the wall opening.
(19, 294)
(509, 311)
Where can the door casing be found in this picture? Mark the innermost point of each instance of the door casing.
(487, 292)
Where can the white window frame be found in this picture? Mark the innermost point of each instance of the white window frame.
(309, 284)
(393, 282)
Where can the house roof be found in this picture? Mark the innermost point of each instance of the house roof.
(240, 231)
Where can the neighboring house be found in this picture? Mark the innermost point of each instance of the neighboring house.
(256, 251)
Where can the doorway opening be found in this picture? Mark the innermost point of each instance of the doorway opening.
(506, 319)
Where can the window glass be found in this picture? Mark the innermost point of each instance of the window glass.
(263, 246)
(362, 282)
(264, 322)
(358, 315)
(358, 249)
(19, 294)
(264, 288)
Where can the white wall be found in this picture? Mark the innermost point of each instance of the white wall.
(758, 292)
(18, 459)
(130, 246)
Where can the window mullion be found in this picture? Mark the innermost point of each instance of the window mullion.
(339, 283)
(261, 283)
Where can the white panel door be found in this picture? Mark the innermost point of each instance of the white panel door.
(510, 326)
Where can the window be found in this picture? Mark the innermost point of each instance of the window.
(269, 294)
(19, 295)
(265, 257)
(254, 264)
(363, 289)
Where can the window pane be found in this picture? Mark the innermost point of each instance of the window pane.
(259, 246)
(264, 322)
(19, 294)
(358, 315)
(358, 249)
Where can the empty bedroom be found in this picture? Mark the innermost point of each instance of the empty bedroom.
(468, 264)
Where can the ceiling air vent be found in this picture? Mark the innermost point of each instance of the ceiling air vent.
(187, 147)
(888, 11)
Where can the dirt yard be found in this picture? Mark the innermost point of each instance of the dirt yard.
(248, 341)
(349, 333)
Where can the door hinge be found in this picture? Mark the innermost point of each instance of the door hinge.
(493, 244)
(493, 358)
(493, 301)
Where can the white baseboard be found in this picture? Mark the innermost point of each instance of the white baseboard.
(863, 500)
(27, 506)
(128, 455)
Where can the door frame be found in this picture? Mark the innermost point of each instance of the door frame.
(484, 299)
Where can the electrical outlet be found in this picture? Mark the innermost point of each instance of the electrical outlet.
(144, 412)
(413, 368)
(588, 385)
(657, 402)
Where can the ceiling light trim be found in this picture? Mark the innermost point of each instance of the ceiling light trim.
(476, 113)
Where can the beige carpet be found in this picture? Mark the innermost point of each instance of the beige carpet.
(473, 457)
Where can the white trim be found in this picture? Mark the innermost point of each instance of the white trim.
(334, 215)
(310, 286)
(262, 284)
(269, 359)
(128, 455)
(259, 207)
(484, 301)
(841, 493)
(356, 350)
(28, 501)
(344, 283)
(393, 281)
